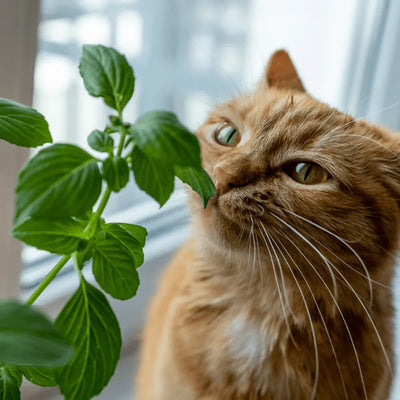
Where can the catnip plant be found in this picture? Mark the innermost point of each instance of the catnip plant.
(61, 194)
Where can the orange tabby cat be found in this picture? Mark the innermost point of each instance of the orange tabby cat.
(283, 292)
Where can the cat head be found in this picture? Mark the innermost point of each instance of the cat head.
(292, 169)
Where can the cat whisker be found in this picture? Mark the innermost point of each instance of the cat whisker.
(279, 246)
(240, 235)
(314, 390)
(352, 289)
(260, 264)
(367, 313)
(254, 249)
(369, 317)
(316, 250)
(354, 135)
(351, 267)
(269, 238)
(249, 253)
(339, 310)
(343, 242)
(278, 288)
(363, 117)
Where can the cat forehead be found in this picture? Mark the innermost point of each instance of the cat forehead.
(277, 127)
(276, 117)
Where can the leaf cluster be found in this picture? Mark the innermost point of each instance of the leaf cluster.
(60, 197)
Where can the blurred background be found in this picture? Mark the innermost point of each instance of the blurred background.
(187, 56)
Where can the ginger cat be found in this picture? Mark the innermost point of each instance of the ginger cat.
(284, 290)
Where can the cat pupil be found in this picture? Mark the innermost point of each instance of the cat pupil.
(227, 135)
(231, 135)
(303, 170)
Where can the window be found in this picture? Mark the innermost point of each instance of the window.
(187, 55)
(179, 64)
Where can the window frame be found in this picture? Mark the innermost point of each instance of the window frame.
(18, 43)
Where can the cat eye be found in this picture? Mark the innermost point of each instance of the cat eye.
(307, 173)
(227, 135)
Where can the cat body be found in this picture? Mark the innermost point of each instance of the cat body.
(284, 290)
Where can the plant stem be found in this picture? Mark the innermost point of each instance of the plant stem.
(48, 279)
(106, 195)
(96, 216)
(89, 230)
(76, 266)
(123, 136)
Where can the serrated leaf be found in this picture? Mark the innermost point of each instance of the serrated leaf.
(106, 73)
(156, 178)
(10, 382)
(91, 327)
(22, 125)
(198, 180)
(160, 135)
(61, 236)
(132, 237)
(114, 267)
(100, 141)
(40, 376)
(28, 338)
(116, 173)
(60, 181)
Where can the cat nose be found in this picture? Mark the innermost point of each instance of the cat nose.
(226, 181)
(223, 179)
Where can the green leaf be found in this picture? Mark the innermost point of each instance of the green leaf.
(22, 125)
(114, 266)
(60, 181)
(116, 173)
(10, 382)
(137, 231)
(85, 254)
(100, 141)
(110, 129)
(40, 376)
(160, 135)
(61, 236)
(115, 121)
(28, 338)
(107, 74)
(155, 177)
(132, 237)
(92, 328)
(198, 180)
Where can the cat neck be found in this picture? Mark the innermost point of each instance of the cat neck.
(244, 281)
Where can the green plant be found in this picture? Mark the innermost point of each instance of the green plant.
(55, 195)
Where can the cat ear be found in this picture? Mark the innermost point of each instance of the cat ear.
(281, 73)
